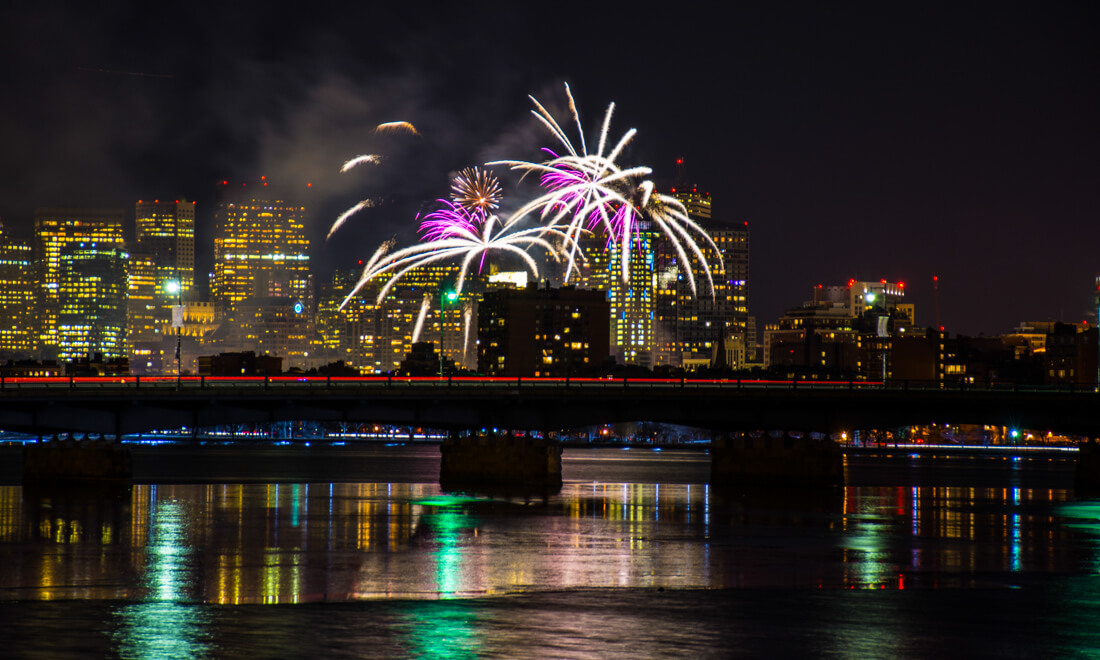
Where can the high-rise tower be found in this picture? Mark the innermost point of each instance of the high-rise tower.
(17, 336)
(161, 275)
(166, 231)
(692, 327)
(631, 299)
(92, 287)
(55, 228)
(261, 250)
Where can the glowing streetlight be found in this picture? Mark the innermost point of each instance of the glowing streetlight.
(174, 287)
(445, 296)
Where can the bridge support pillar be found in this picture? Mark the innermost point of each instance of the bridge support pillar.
(500, 462)
(1086, 477)
(740, 459)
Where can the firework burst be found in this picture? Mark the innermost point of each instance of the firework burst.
(475, 188)
(590, 191)
(454, 234)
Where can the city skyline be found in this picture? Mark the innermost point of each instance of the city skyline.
(857, 143)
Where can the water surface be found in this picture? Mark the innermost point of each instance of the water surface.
(637, 556)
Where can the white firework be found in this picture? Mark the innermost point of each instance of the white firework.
(464, 243)
(591, 191)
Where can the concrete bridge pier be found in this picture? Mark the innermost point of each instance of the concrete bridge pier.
(500, 463)
(1086, 476)
(739, 458)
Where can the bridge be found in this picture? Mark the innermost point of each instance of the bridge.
(125, 405)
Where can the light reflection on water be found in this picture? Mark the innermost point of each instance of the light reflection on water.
(402, 569)
(279, 543)
(166, 623)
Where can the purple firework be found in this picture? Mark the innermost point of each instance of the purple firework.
(451, 220)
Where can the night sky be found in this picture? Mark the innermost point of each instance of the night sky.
(887, 140)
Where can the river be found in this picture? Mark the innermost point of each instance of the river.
(355, 552)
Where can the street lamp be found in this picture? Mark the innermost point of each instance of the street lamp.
(445, 296)
(174, 287)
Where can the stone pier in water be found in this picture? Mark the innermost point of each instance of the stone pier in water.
(500, 462)
(742, 459)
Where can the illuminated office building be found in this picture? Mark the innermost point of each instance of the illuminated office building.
(692, 328)
(54, 228)
(348, 333)
(419, 292)
(166, 231)
(696, 202)
(17, 336)
(92, 293)
(277, 326)
(144, 309)
(542, 332)
(631, 301)
(260, 250)
(161, 275)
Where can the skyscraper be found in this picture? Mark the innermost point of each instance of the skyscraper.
(261, 250)
(55, 228)
(166, 231)
(17, 336)
(631, 300)
(92, 301)
(161, 274)
(692, 326)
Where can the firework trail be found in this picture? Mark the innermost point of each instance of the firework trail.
(424, 305)
(467, 319)
(396, 127)
(590, 191)
(375, 258)
(464, 242)
(368, 203)
(475, 188)
(360, 160)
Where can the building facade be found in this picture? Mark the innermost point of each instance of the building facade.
(55, 228)
(18, 339)
(260, 250)
(543, 332)
(92, 296)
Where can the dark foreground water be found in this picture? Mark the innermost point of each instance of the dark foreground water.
(636, 557)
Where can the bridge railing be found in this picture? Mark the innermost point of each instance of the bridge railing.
(253, 383)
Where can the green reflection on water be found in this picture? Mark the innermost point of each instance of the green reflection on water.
(444, 630)
(165, 625)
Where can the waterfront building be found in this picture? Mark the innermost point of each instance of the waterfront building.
(843, 332)
(162, 276)
(543, 332)
(336, 325)
(17, 309)
(92, 296)
(54, 228)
